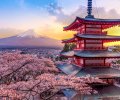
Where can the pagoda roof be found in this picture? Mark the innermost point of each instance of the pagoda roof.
(78, 22)
(68, 54)
(107, 92)
(101, 37)
(68, 69)
(100, 72)
(97, 54)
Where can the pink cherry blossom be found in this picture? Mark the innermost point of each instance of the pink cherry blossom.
(24, 76)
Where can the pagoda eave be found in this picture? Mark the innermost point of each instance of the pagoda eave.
(95, 57)
(66, 56)
(74, 25)
(69, 54)
(98, 37)
(97, 54)
(106, 23)
(103, 73)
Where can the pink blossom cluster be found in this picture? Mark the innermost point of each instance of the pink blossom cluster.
(9, 93)
(25, 77)
(47, 81)
(19, 67)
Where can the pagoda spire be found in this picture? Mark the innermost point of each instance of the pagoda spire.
(89, 9)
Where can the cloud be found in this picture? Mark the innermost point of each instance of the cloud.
(64, 19)
(61, 17)
(54, 9)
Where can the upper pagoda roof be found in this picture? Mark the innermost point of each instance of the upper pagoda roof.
(97, 54)
(101, 37)
(106, 23)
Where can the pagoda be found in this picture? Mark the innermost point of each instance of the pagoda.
(90, 56)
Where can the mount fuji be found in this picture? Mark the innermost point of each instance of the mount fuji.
(30, 39)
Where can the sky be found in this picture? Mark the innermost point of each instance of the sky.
(48, 17)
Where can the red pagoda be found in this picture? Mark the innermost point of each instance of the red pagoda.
(90, 55)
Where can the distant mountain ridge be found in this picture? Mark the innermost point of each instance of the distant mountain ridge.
(30, 38)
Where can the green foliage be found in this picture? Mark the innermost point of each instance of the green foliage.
(68, 47)
(60, 58)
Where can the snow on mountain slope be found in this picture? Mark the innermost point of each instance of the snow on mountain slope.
(30, 38)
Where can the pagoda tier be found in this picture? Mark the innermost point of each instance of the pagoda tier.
(103, 73)
(87, 58)
(81, 24)
(91, 42)
(95, 59)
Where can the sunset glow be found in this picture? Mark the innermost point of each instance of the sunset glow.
(108, 44)
(48, 17)
(114, 31)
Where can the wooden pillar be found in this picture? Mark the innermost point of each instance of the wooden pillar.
(85, 28)
(80, 44)
(104, 61)
(84, 44)
(101, 28)
(102, 44)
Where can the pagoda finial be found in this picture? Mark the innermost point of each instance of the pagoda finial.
(89, 10)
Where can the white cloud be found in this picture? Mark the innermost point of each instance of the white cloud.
(98, 12)
(72, 5)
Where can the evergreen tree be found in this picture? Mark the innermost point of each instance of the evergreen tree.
(68, 47)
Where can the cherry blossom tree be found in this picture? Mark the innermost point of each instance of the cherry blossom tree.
(18, 67)
(33, 88)
(26, 77)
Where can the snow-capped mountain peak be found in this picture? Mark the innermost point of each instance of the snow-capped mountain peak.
(29, 33)
(30, 39)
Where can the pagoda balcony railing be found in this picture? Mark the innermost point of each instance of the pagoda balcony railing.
(95, 32)
(95, 48)
(91, 48)
(92, 65)
(98, 64)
